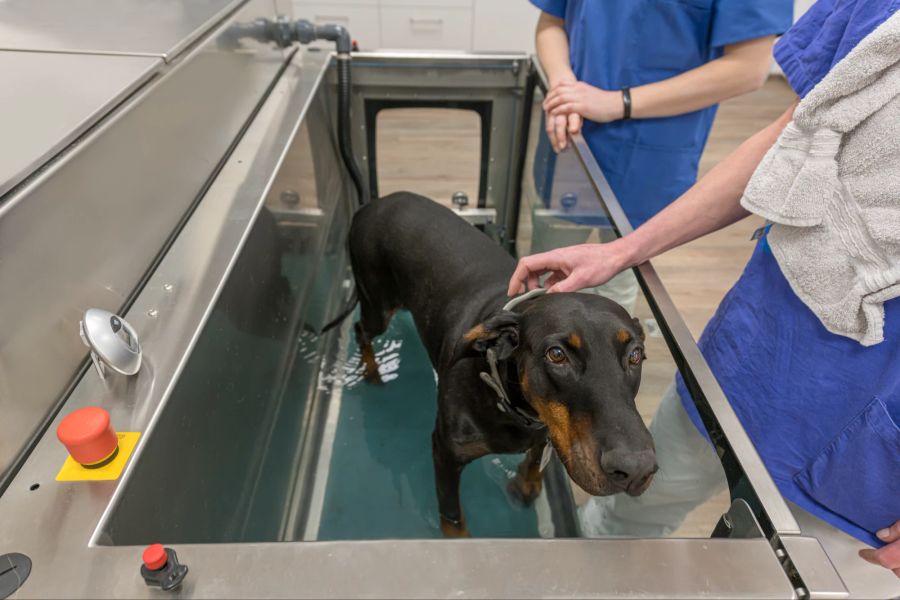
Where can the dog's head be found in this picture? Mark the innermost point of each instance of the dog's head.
(579, 362)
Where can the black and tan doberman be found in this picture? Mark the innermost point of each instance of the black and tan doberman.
(563, 367)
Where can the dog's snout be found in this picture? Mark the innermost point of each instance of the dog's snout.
(629, 469)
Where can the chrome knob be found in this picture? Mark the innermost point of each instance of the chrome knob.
(460, 200)
(113, 342)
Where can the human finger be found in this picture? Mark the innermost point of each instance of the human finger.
(887, 556)
(572, 283)
(889, 534)
(550, 127)
(563, 110)
(574, 123)
(561, 132)
(520, 277)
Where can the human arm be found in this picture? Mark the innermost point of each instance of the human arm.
(552, 44)
(711, 204)
(742, 68)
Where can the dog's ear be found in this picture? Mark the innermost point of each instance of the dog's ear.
(640, 328)
(499, 331)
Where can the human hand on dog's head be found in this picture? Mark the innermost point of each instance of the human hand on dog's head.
(570, 269)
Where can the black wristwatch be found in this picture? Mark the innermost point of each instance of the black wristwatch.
(626, 101)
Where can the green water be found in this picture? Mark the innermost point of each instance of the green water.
(381, 482)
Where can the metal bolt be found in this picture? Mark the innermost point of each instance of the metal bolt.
(153, 313)
(801, 592)
(460, 200)
(780, 554)
(290, 197)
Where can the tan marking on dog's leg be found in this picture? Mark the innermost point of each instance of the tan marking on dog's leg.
(370, 364)
(575, 340)
(454, 530)
(529, 479)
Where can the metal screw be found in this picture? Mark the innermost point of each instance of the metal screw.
(460, 200)
(168, 287)
(801, 592)
(290, 197)
(153, 313)
(780, 554)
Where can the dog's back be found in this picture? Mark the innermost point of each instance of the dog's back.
(410, 252)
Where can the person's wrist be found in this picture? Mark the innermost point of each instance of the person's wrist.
(560, 79)
(625, 252)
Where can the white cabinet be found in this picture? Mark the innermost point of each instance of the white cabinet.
(504, 25)
(468, 25)
(407, 27)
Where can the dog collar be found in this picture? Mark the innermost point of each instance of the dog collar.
(503, 403)
(522, 298)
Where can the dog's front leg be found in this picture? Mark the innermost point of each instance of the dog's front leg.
(526, 486)
(447, 471)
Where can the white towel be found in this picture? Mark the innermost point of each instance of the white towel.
(831, 187)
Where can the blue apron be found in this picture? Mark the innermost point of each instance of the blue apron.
(619, 43)
(821, 409)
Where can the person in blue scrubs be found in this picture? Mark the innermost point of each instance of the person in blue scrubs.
(821, 409)
(641, 80)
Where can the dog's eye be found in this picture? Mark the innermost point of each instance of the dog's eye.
(636, 356)
(556, 355)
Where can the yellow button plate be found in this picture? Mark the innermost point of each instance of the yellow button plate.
(72, 471)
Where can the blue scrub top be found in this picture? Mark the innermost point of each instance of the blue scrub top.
(628, 43)
(821, 409)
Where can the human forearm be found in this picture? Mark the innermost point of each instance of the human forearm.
(711, 204)
(552, 45)
(742, 69)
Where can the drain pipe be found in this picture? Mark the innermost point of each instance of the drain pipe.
(305, 32)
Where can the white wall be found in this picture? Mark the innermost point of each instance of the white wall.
(468, 25)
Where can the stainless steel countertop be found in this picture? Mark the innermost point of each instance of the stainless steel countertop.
(159, 28)
(48, 100)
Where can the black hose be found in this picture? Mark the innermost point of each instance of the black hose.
(344, 137)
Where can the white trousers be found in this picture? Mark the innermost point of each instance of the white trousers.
(689, 474)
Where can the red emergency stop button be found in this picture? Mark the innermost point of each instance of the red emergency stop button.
(155, 557)
(89, 437)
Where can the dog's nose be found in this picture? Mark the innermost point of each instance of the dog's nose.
(628, 468)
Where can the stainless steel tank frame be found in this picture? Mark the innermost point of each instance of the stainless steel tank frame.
(58, 524)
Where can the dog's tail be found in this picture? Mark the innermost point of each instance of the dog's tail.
(345, 312)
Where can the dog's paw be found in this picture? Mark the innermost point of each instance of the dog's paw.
(523, 492)
(372, 376)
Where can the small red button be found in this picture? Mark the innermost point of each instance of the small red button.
(155, 557)
(88, 435)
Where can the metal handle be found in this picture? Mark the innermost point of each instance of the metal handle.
(436, 23)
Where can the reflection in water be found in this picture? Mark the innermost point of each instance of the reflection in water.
(381, 480)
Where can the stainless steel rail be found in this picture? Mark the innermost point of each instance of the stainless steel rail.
(738, 455)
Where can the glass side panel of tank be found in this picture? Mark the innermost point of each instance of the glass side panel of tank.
(271, 434)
